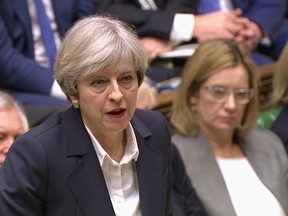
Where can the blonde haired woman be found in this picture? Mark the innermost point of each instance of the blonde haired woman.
(235, 169)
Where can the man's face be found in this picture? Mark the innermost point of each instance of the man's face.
(10, 128)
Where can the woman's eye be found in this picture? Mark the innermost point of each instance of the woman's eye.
(98, 82)
(242, 93)
(127, 78)
(219, 91)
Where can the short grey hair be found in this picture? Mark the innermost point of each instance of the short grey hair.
(8, 102)
(97, 43)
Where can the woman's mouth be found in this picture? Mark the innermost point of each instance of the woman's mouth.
(117, 113)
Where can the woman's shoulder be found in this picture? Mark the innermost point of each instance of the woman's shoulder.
(263, 134)
(188, 143)
(264, 140)
(180, 139)
(150, 118)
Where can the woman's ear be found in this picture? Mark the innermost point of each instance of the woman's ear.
(193, 100)
(74, 101)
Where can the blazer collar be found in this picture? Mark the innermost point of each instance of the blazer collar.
(204, 156)
(87, 181)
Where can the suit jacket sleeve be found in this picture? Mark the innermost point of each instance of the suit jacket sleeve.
(148, 22)
(19, 72)
(266, 13)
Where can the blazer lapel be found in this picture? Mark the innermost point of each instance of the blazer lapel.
(86, 180)
(205, 173)
(218, 189)
(149, 171)
(88, 185)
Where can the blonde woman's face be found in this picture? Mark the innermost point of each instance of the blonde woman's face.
(219, 112)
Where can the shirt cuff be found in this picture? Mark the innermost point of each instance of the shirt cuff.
(182, 29)
(266, 40)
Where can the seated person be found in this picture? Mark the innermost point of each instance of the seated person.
(25, 69)
(235, 168)
(162, 25)
(276, 118)
(12, 125)
(265, 38)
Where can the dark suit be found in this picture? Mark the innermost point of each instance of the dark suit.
(261, 11)
(270, 15)
(29, 82)
(147, 22)
(150, 23)
(54, 169)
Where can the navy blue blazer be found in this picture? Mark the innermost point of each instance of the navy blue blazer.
(19, 72)
(54, 170)
(270, 15)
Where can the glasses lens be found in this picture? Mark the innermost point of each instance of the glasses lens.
(243, 95)
(219, 93)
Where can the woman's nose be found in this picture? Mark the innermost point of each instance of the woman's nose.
(115, 92)
(230, 102)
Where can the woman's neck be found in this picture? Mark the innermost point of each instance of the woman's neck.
(224, 146)
(114, 144)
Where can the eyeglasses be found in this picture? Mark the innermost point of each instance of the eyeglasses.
(220, 94)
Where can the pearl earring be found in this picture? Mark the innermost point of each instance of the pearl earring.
(76, 104)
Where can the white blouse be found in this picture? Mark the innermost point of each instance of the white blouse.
(252, 197)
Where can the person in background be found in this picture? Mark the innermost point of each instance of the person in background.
(26, 72)
(101, 156)
(161, 25)
(235, 168)
(12, 125)
(265, 38)
(276, 116)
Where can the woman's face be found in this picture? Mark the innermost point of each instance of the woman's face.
(219, 112)
(108, 99)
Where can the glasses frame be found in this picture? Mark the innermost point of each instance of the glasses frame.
(227, 92)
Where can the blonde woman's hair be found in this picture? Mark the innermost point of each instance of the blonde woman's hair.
(210, 58)
(279, 95)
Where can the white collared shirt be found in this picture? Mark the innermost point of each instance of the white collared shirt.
(121, 178)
